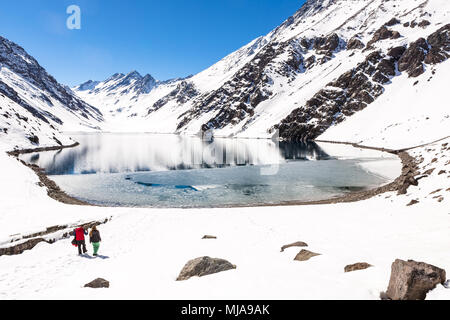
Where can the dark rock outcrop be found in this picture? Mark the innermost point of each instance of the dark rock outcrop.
(184, 92)
(357, 88)
(305, 255)
(382, 34)
(412, 60)
(204, 266)
(413, 202)
(392, 22)
(435, 49)
(20, 248)
(439, 42)
(97, 284)
(34, 139)
(237, 98)
(355, 43)
(357, 266)
(350, 93)
(295, 244)
(411, 280)
(424, 23)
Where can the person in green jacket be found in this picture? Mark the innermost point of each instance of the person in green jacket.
(95, 239)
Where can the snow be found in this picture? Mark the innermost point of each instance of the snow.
(143, 250)
(361, 17)
(417, 114)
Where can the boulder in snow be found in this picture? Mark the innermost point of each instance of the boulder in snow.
(305, 255)
(295, 244)
(411, 280)
(357, 266)
(204, 266)
(208, 237)
(97, 283)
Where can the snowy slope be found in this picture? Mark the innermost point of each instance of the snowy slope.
(407, 114)
(324, 64)
(34, 107)
(143, 250)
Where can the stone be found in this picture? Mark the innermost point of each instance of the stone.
(357, 266)
(411, 280)
(204, 266)
(412, 60)
(392, 22)
(439, 42)
(305, 255)
(97, 284)
(413, 202)
(34, 139)
(207, 237)
(424, 23)
(295, 244)
(354, 43)
(20, 248)
(397, 52)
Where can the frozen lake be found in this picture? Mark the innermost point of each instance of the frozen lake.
(148, 170)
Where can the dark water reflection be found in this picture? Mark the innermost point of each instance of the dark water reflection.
(148, 170)
(116, 153)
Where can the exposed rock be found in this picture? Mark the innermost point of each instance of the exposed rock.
(295, 244)
(326, 45)
(208, 237)
(424, 23)
(20, 248)
(413, 202)
(97, 284)
(429, 171)
(305, 255)
(439, 42)
(436, 191)
(355, 43)
(237, 98)
(392, 22)
(382, 34)
(357, 266)
(350, 93)
(309, 62)
(395, 35)
(442, 172)
(411, 60)
(183, 93)
(34, 139)
(411, 280)
(204, 266)
(396, 52)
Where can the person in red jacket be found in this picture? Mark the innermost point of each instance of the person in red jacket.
(79, 237)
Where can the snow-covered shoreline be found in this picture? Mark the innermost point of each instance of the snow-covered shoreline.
(146, 248)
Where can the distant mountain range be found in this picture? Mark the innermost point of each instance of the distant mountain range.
(330, 60)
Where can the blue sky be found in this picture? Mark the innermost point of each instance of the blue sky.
(171, 38)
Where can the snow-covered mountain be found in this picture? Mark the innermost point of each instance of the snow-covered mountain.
(34, 107)
(125, 98)
(330, 60)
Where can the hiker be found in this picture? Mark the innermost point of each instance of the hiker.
(95, 239)
(79, 237)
